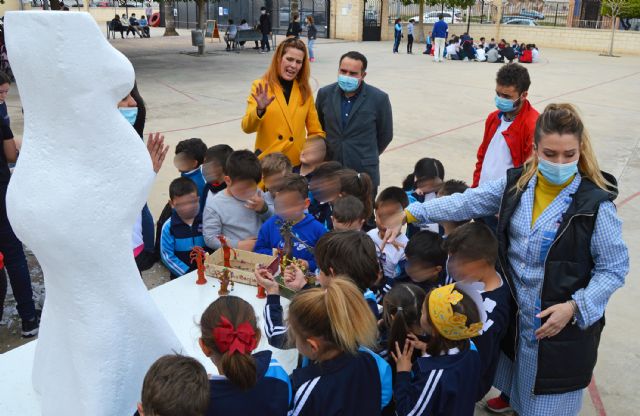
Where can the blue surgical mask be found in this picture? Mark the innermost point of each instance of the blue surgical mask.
(505, 105)
(129, 113)
(557, 173)
(348, 84)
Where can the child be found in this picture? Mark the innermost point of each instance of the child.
(188, 160)
(397, 35)
(429, 45)
(324, 189)
(444, 380)
(291, 203)
(348, 214)
(183, 230)
(346, 253)
(274, 167)
(410, 36)
(333, 330)
(425, 261)
(401, 317)
(239, 211)
(312, 33)
(358, 185)
(175, 385)
(250, 383)
(422, 185)
(390, 203)
(450, 187)
(314, 153)
(473, 254)
(213, 171)
(492, 44)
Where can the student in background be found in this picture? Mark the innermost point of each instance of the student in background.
(422, 185)
(314, 153)
(440, 34)
(425, 262)
(410, 36)
(324, 189)
(429, 45)
(312, 34)
(189, 158)
(397, 36)
(360, 186)
(294, 29)
(230, 34)
(348, 214)
(213, 171)
(450, 187)
(275, 166)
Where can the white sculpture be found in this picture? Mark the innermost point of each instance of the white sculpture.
(82, 178)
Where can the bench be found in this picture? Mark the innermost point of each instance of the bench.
(249, 35)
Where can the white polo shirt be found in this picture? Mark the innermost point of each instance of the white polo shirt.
(498, 158)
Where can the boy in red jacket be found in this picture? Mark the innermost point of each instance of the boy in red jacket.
(508, 132)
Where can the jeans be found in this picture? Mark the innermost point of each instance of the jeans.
(409, 43)
(15, 262)
(438, 54)
(310, 45)
(265, 42)
(396, 44)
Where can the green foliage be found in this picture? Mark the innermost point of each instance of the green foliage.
(629, 9)
(461, 4)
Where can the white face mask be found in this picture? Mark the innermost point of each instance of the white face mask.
(263, 12)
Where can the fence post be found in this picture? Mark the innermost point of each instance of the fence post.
(555, 21)
(481, 11)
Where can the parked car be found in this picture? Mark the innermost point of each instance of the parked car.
(520, 21)
(531, 14)
(432, 17)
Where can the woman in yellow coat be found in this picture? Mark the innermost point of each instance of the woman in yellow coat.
(281, 108)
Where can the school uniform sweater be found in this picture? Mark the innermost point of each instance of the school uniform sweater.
(498, 306)
(321, 212)
(444, 385)
(307, 231)
(270, 396)
(404, 278)
(177, 241)
(197, 177)
(358, 384)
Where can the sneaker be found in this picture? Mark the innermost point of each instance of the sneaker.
(498, 405)
(30, 328)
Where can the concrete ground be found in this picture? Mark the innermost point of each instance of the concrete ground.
(439, 110)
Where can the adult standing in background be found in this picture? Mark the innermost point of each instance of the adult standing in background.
(356, 116)
(148, 11)
(265, 29)
(440, 32)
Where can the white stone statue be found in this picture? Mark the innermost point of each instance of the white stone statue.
(82, 178)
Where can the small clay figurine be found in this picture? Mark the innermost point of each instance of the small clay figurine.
(198, 255)
(226, 250)
(224, 283)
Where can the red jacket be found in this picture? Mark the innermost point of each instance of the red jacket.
(519, 137)
(527, 56)
(1, 261)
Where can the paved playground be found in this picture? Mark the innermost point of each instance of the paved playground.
(439, 111)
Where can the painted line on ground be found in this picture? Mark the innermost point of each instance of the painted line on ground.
(177, 90)
(595, 397)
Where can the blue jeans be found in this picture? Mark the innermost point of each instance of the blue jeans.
(396, 44)
(310, 45)
(265, 42)
(15, 262)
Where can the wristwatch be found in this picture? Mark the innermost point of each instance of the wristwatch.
(574, 305)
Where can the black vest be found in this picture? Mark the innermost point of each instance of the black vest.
(566, 360)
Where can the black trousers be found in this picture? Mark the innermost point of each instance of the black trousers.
(410, 44)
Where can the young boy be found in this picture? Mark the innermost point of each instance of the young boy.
(348, 214)
(175, 385)
(291, 202)
(390, 203)
(183, 230)
(314, 153)
(325, 189)
(239, 211)
(473, 253)
(425, 262)
(213, 171)
(274, 167)
(188, 160)
(351, 254)
(451, 187)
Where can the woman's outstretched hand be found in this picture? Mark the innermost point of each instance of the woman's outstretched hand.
(157, 150)
(262, 98)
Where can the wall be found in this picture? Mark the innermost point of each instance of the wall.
(595, 40)
(346, 19)
(10, 5)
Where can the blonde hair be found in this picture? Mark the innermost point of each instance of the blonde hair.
(337, 313)
(273, 73)
(564, 119)
(274, 163)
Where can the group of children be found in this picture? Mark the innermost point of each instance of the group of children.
(408, 327)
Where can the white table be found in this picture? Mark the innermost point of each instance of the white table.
(182, 303)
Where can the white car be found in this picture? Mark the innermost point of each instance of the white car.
(432, 17)
(521, 21)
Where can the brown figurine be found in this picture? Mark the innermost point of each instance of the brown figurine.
(224, 283)
(198, 254)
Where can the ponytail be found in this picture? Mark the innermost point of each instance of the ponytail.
(229, 329)
(402, 312)
(358, 185)
(564, 119)
(338, 314)
(409, 183)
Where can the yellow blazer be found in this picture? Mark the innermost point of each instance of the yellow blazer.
(283, 127)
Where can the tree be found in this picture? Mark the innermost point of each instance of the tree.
(201, 4)
(613, 8)
(449, 4)
(169, 18)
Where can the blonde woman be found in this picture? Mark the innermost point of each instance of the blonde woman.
(561, 253)
(283, 125)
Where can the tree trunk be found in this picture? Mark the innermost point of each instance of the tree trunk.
(613, 33)
(169, 18)
(202, 13)
(421, 21)
(295, 8)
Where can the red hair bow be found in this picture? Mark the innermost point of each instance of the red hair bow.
(228, 338)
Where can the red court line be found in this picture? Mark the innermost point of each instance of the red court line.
(178, 91)
(595, 398)
(628, 199)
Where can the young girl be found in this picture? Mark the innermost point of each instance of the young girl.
(397, 35)
(312, 33)
(423, 185)
(248, 384)
(358, 185)
(332, 328)
(314, 153)
(445, 379)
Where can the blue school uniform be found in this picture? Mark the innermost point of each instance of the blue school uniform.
(270, 396)
(404, 278)
(321, 212)
(444, 385)
(307, 231)
(197, 177)
(213, 189)
(498, 306)
(358, 384)
(177, 241)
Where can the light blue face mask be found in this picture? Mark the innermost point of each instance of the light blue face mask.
(348, 84)
(505, 105)
(557, 173)
(129, 113)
